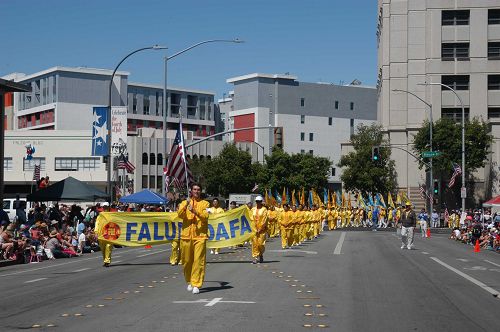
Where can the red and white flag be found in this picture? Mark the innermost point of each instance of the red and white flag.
(124, 163)
(177, 167)
(457, 170)
(36, 173)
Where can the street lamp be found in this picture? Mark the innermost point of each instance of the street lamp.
(431, 198)
(462, 191)
(108, 124)
(259, 145)
(165, 98)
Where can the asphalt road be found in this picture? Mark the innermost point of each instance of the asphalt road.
(344, 281)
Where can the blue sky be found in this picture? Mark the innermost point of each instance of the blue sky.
(316, 40)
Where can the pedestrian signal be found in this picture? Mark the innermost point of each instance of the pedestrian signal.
(376, 153)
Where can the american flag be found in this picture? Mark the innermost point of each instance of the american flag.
(36, 173)
(446, 215)
(421, 189)
(177, 166)
(457, 170)
(124, 163)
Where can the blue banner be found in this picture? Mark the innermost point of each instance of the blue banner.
(99, 131)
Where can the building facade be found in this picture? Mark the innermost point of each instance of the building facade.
(315, 117)
(456, 43)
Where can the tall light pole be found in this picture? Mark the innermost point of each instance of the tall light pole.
(165, 98)
(109, 189)
(259, 145)
(463, 189)
(431, 197)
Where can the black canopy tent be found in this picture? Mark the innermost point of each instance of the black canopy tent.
(69, 189)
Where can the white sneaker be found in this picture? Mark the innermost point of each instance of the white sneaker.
(196, 290)
(211, 252)
(409, 247)
(403, 246)
(216, 252)
(190, 288)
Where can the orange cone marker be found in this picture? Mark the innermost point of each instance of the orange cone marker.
(476, 247)
(428, 232)
(147, 247)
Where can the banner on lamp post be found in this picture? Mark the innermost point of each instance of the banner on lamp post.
(118, 130)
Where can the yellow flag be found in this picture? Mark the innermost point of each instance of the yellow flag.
(303, 197)
(294, 202)
(398, 199)
(334, 199)
(349, 201)
(389, 200)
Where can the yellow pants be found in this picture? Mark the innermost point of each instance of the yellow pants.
(193, 257)
(284, 239)
(175, 254)
(258, 244)
(316, 228)
(331, 224)
(106, 250)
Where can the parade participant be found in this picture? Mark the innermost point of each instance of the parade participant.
(286, 222)
(259, 219)
(316, 220)
(175, 254)
(422, 219)
(215, 209)
(331, 218)
(307, 224)
(435, 219)
(106, 248)
(382, 223)
(273, 221)
(408, 222)
(194, 235)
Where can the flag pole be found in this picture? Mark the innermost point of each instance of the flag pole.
(184, 154)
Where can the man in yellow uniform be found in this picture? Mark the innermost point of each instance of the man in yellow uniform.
(272, 221)
(286, 222)
(259, 217)
(215, 209)
(305, 223)
(106, 248)
(194, 235)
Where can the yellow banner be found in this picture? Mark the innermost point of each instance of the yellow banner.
(149, 228)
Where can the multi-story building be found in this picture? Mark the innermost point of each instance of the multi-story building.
(316, 117)
(62, 99)
(456, 43)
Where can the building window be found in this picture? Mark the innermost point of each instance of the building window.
(352, 127)
(29, 165)
(192, 105)
(311, 152)
(454, 113)
(7, 163)
(152, 159)
(302, 102)
(302, 151)
(175, 104)
(202, 108)
(146, 105)
(494, 50)
(144, 181)
(134, 103)
(493, 16)
(455, 51)
(352, 106)
(330, 121)
(493, 82)
(455, 17)
(311, 137)
(152, 182)
(493, 112)
(159, 159)
(333, 171)
(77, 163)
(302, 136)
(157, 102)
(144, 158)
(456, 82)
(302, 119)
(159, 181)
(336, 104)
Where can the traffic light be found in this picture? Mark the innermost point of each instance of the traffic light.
(376, 153)
(278, 137)
(436, 187)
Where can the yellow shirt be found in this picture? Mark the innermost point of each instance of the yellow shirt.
(286, 219)
(194, 226)
(259, 218)
(214, 210)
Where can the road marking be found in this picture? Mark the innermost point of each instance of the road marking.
(310, 252)
(214, 301)
(34, 280)
(462, 260)
(492, 263)
(338, 247)
(115, 262)
(468, 277)
(425, 253)
(152, 253)
(80, 270)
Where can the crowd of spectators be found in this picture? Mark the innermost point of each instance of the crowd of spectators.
(478, 227)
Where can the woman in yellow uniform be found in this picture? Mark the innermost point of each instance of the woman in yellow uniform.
(194, 235)
(259, 217)
(286, 222)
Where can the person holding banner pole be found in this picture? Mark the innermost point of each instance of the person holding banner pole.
(106, 248)
(259, 218)
(194, 235)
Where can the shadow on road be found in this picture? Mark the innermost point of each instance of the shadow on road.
(239, 262)
(222, 285)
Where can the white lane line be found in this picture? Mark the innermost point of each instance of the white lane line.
(152, 253)
(80, 270)
(468, 277)
(338, 247)
(492, 263)
(117, 262)
(34, 280)
(425, 253)
(213, 302)
(61, 264)
(310, 252)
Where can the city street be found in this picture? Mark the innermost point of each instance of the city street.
(344, 281)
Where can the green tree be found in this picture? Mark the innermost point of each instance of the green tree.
(360, 172)
(447, 138)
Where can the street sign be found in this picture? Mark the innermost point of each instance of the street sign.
(430, 154)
